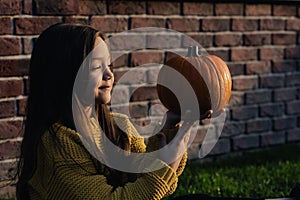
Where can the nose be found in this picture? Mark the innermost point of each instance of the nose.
(107, 74)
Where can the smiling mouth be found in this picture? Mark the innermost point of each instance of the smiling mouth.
(104, 87)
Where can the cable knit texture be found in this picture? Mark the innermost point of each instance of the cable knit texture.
(65, 170)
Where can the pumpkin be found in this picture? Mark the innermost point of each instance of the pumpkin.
(207, 75)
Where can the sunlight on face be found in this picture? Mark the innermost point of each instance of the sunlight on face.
(100, 71)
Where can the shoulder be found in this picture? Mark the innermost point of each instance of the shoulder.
(59, 138)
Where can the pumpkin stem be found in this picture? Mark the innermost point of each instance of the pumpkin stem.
(193, 51)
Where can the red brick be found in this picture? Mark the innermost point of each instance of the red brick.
(285, 94)
(229, 9)
(284, 10)
(258, 9)
(9, 149)
(118, 74)
(293, 79)
(243, 54)
(164, 41)
(257, 39)
(10, 88)
(6, 25)
(145, 57)
(284, 123)
(127, 7)
(22, 103)
(244, 82)
(244, 112)
(282, 66)
(215, 24)
(203, 39)
(110, 24)
(138, 110)
(271, 53)
(236, 68)
(125, 41)
(245, 142)
(56, 7)
(149, 21)
(119, 60)
(132, 76)
(222, 53)
(272, 80)
(8, 108)
(274, 24)
(259, 125)
(34, 25)
(232, 128)
(91, 7)
(272, 138)
(144, 93)
(258, 96)
(284, 38)
(152, 75)
(293, 135)
(10, 46)
(7, 172)
(292, 52)
(8, 192)
(197, 8)
(293, 24)
(183, 24)
(27, 7)
(14, 67)
(271, 109)
(258, 67)
(221, 147)
(120, 95)
(236, 99)
(77, 19)
(28, 44)
(163, 8)
(244, 24)
(10, 129)
(293, 107)
(10, 7)
(228, 39)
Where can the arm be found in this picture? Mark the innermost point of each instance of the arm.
(71, 174)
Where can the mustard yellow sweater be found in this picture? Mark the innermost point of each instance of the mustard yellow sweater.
(65, 170)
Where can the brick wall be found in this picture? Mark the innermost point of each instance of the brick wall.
(260, 43)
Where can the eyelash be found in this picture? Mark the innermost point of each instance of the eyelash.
(110, 67)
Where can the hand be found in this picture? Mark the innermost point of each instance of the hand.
(173, 152)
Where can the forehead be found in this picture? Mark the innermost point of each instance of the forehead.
(100, 49)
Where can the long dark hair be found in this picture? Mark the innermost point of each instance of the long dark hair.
(56, 57)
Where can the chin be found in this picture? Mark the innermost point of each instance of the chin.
(102, 100)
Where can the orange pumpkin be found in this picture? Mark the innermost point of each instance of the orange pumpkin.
(207, 75)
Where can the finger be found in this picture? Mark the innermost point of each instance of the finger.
(216, 114)
(183, 130)
(207, 115)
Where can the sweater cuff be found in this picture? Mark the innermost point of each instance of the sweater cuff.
(165, 175)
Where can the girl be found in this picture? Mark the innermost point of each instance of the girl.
(55, 161)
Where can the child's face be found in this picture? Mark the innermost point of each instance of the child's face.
(100, 65)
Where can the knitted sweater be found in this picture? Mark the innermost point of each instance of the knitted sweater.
(65, 170)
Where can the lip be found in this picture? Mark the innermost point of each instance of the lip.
(104, 87)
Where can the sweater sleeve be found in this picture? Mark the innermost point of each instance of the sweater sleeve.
(154, 144)
(72, 174)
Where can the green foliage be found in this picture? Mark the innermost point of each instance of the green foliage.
(263, 174)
